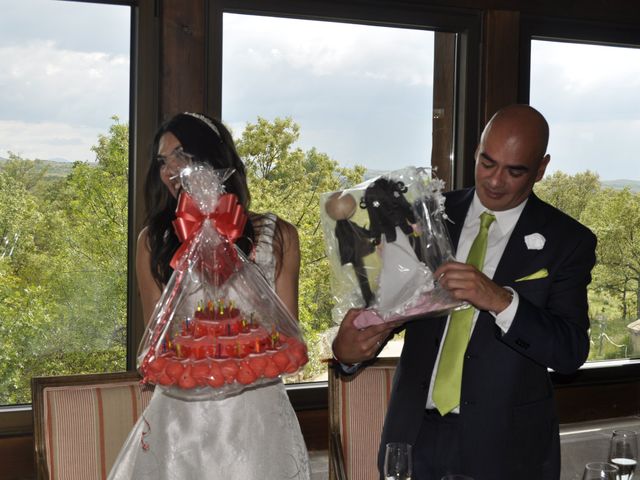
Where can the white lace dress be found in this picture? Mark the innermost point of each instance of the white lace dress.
(251, 436)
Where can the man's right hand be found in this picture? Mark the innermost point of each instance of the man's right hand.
(354, 345)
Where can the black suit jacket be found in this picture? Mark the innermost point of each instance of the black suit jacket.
(507, 413)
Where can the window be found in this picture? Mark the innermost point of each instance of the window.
(341, 96)
(64, 179)
(591, 97)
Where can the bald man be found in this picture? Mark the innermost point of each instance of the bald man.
(530, 315)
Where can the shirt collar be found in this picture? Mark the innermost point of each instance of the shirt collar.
(505, 219)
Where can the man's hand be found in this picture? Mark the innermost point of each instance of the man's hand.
(353, 345)
(466, 283)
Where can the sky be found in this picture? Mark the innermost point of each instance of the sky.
(65, 73)
(361, 94)
(590, 95)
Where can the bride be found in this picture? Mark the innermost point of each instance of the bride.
(253, 435)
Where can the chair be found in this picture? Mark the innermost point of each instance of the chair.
(80, 422)
(357, 407)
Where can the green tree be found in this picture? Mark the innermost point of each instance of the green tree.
(29, 173)
(63, 264)
(614, 216)
(288, 181)
(569, 193)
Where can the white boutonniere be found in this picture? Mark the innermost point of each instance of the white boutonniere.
(535, 241)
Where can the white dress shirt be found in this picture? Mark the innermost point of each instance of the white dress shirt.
(499, 233)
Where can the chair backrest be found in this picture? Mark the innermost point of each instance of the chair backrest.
(357, 407)
(80, 422)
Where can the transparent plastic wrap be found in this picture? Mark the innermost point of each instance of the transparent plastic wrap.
(218, 327)
(384, 239)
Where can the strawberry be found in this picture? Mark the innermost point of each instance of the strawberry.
(258, 365)
(271, 370)
(174, 370)
(229, 370)
(281, 360)
(186, 381)
(158, 365)
(245, 375)
(200, 372)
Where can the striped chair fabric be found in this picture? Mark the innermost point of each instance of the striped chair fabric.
(84, 425)
(358, 405)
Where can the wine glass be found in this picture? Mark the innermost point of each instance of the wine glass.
(623, 452)
(397, 461)
(600, 471)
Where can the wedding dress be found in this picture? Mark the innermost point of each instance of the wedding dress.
(250, 436)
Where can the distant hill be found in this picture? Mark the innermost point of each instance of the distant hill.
(633, 185)
(55, 169)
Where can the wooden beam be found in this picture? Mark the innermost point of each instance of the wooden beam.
(183, 57)
(444, 88)
(500, 61)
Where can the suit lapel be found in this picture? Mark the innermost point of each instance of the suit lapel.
(516, 254)
(457, 206)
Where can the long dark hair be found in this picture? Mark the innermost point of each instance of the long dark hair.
(204, 143)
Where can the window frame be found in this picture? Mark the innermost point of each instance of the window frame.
(600, 389)
(16, 420)
(585, 395)
(313, 396)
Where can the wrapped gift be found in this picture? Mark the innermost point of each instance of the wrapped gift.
(384, 239)
(218, 327)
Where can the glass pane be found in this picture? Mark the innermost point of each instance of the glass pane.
(351, 101)
(64, 108)
(590, 95)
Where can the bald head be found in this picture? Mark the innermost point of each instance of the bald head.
(522, 124)
(511, 157)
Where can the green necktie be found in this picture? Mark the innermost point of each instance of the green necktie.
(446, 389)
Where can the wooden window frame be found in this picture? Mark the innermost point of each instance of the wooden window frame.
(600, 389)
(16, 420)
(456, 34)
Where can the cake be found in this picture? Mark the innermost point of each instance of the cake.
(220, 346)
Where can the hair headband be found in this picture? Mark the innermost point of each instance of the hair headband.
(207, 121)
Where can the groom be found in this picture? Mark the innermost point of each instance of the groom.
(472, 392)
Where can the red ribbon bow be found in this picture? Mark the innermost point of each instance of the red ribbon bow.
(229, 218)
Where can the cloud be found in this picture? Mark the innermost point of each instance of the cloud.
(45, 83)
(48, 140)
(361, 94)
(327, 48)
(586, 82)
(65, 74)
(608, 147)
(78, 26)
(590, 94)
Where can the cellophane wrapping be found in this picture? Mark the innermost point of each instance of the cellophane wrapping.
(218, 327)
(384, 239)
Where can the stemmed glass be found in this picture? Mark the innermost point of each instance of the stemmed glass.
(623, 452)
(600, 471)
(397, 461)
